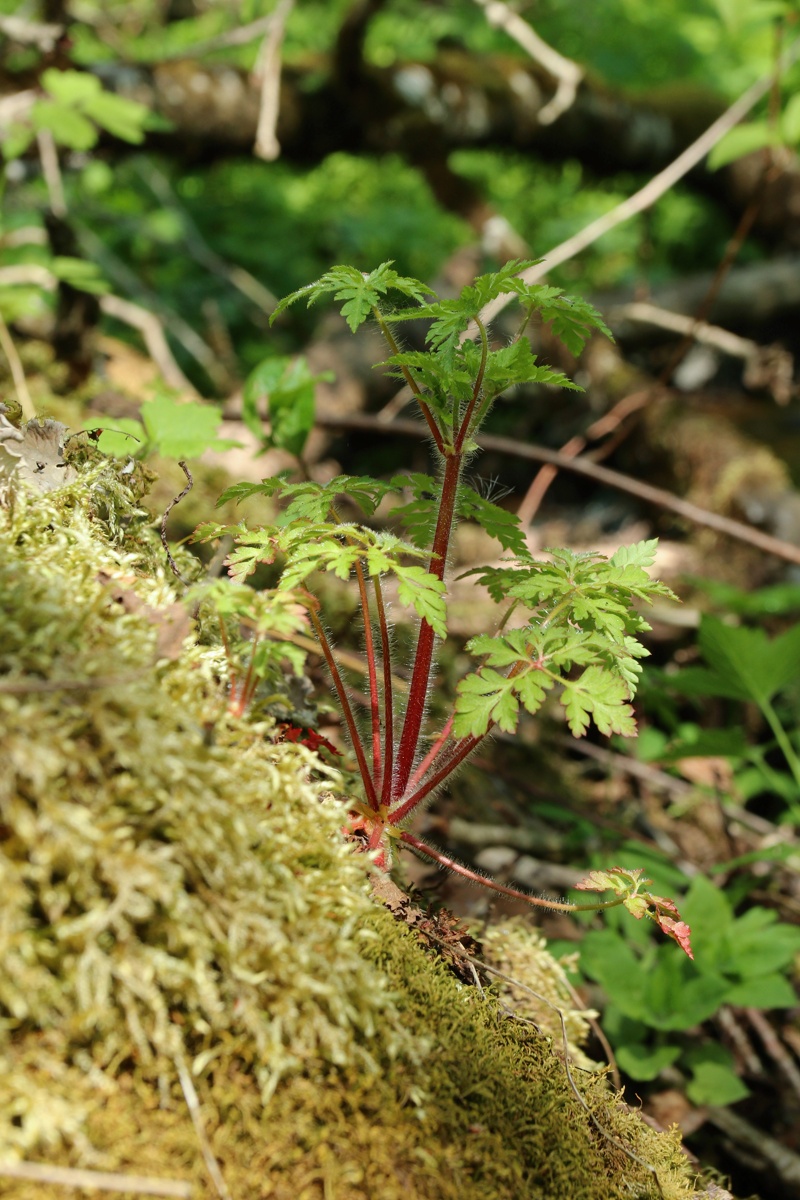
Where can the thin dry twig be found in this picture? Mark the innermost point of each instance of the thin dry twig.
(24, 687)
(101, 1181)
(267, 72)
(175, 500)
(197, 246)
(652, 190)
(17, 372)
(567, 73)
(581, 466)
(48, 156)
(155, 339)
(775, 1048)
(193, 1104)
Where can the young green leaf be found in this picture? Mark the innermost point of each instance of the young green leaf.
(359, 291)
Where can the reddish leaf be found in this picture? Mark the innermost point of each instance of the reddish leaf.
(679, 931)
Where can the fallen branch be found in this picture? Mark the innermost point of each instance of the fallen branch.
(566, 72)
(581, 466)
(653, 190)
(267, 72)
(101, 1181)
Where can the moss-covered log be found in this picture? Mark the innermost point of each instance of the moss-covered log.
(175, 889)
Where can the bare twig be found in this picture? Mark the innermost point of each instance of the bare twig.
(268, 72)
(101, 1181)
(193, 1104)
(17, 372)
(28, 273)
(23, 687)
(566, 72)
(48, 156)
(197, 246)
(746, 1141)
(652, 190)
(155, 340)
(775, 1048)
(175, 500)
(581, 466)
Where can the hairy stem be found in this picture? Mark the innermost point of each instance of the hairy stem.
(411, 381)
(476, 390)
(388, 707)
(420, 677)
(374, 699)
(344, 703)
(432, 753)
(463, 748)
(444, 860)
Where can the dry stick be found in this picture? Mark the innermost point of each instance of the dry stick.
(155, 340)
(388, 704)
(344, 704)
(48, 156)
(614, 479)
(567, 73)
(101, 1181)
(193, 1104)
(268, 71)
(175, 500)
(195, 243)
(374, 700)
(775, 1048)
(656, 187)
(17, 372)
(482, 966)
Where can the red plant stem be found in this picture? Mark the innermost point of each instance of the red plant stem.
(420, 676)
(411, 381)
(432, 753)
(463, 747)
(444, 860)
(374, 699)
(388, 705)
(250, 683)
(344, 704)
(476, 390)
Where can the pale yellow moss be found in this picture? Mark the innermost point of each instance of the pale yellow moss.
(173, 880)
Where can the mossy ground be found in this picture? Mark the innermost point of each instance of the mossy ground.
(175, 884)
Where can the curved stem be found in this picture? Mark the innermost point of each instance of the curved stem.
(344, 703)
(420, 677)
(388, 696)
(476, 389)
(374, 700)
(444, 860)
(433, 753)
(465, 747)
(411, 381)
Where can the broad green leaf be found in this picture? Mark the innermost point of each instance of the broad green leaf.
(179, 430)
(677, 997)
(714, 1078)
(68, 127)
(122, 118)
(71, 87)
(741, 140)
(764, 991)
(289, 389)
(707, 909)
(609, 959)
(746, 660)
(645, 1062)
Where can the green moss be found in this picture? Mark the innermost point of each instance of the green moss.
(174, 883)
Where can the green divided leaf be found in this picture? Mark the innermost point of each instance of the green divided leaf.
(601, 696)
(498, 522)
(360, 292)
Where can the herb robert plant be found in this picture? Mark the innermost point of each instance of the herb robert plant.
(580, 634)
